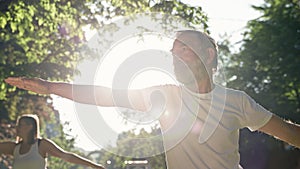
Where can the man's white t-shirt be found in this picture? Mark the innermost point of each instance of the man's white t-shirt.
(201, 131)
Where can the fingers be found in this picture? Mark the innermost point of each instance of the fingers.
(15, 81)
(20, 82)
(35, 85)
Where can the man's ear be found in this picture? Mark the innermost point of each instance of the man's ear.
(210, 56)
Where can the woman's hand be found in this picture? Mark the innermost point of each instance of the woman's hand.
(36, 85)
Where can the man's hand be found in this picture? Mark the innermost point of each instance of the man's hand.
(36, 85)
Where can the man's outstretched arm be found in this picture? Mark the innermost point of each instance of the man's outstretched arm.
(283, 130)
(87, 94)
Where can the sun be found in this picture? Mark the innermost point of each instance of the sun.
(127, 66)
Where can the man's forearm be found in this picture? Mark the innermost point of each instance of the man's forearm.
(87, 94)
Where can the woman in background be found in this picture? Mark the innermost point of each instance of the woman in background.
(30, 151)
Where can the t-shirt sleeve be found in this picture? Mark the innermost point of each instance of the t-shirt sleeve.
(256, 116)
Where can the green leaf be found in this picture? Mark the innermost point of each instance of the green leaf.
(21, 30)
(3, 22)
(13, 26)
(40, 21)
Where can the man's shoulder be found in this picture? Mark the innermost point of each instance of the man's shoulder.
(230, 92)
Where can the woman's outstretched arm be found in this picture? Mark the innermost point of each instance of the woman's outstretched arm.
(52, 149)
(7, 147)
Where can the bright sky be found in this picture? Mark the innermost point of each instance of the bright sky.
(226, 16)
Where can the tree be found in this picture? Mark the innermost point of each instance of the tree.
(266, 68)
(37, 38)
(136, 146)
(266, 65)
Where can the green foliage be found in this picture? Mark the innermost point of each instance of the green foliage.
(193, 15)
(135, 146)
(39, 38)
(267, 69)
(267, 65)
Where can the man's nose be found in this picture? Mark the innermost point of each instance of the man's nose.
(174, 52)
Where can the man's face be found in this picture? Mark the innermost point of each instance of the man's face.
(188, 66)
